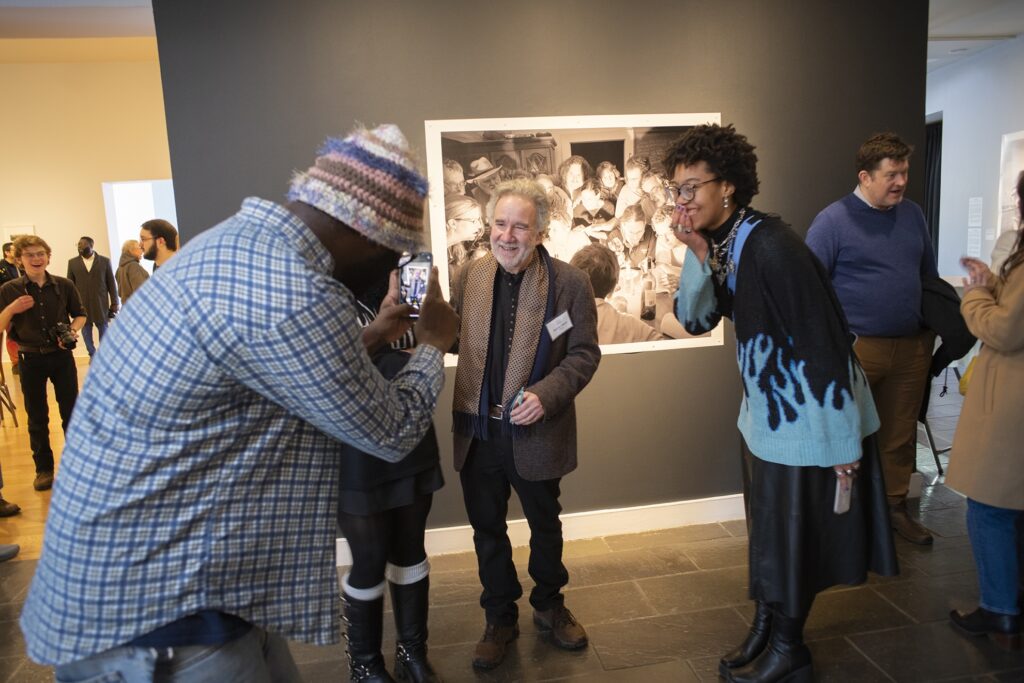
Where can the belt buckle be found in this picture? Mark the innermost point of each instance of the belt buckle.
(495, 412)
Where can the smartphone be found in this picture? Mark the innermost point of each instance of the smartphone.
(844, 489)
(413, 278)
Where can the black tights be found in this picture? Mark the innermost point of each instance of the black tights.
(394, 536)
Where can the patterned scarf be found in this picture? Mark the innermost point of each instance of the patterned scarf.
(531, 343)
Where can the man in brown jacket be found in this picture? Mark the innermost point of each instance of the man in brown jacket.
(528, 346)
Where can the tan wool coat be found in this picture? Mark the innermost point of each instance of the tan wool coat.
(987, 460)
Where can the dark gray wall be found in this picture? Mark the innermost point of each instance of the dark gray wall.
(251, 89)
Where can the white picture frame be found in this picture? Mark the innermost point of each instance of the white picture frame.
(527, 141)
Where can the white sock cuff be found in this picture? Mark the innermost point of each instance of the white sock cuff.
(405, 576)
(364, 594)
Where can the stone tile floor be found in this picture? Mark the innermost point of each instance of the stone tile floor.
(664, 605)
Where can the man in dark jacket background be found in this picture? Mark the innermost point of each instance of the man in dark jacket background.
(94, 278)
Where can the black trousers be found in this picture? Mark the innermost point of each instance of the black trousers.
(488, 476)
(36, 368)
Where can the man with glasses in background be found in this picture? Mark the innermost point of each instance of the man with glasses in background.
(159, 241)
(45, 313)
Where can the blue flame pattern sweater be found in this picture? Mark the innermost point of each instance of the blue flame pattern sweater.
(806, 400)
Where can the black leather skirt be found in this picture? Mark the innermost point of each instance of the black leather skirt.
(798, 545)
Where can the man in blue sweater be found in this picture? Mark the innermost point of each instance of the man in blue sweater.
(876, 248)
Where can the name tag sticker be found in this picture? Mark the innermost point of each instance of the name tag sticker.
(559, 325)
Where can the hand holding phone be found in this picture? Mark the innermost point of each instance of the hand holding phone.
(844, 490)
(438, 325)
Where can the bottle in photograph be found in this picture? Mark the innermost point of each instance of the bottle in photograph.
(649, 293)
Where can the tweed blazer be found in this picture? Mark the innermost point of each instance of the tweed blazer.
(987, 461)
(549, 451)
(96, 285)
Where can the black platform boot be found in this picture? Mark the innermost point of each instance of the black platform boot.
(757, 639)
(411, 604)
(785, 660)
(364, 620)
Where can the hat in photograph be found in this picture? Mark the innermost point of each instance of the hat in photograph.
(369, 182)
(481, 168)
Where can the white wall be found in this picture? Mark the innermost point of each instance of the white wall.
(981, 99)
(76, 113)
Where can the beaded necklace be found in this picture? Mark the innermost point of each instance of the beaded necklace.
(721, 266)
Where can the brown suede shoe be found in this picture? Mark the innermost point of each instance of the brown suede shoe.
(566, 632)
(908, 527)
(490, 651)
(8, 509)
(43, 481)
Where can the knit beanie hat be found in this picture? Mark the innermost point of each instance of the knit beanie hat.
(369, 182)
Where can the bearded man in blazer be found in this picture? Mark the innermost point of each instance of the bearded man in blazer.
(527, 347)
(94, 278)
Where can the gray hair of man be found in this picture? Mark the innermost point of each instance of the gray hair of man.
(129, 247)
(529, 190)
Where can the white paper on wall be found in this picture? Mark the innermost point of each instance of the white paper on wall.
(974, 242)
(974, 212)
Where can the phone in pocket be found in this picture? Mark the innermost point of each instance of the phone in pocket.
(413, 277)
(844, 489)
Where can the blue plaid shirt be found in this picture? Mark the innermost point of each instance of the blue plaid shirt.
(200, 468)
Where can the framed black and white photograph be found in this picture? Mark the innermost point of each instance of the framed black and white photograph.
(608, 191)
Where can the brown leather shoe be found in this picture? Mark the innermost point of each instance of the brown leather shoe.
(43, 481)
(8, 509)
(490, 651)
(908, 527)
(566, 632)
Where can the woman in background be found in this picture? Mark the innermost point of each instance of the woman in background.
(130, 274)
(987, 463)
(611, 179)
(464, 223)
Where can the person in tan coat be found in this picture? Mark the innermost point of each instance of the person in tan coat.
(987, 463)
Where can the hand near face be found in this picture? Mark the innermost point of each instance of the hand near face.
(684, 231)
(528, 411)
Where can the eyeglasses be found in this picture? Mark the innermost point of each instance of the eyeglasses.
(34, 254)
(688, 191)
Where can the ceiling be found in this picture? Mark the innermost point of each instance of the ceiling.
(962, 28)
(76, 18)
(956, 28)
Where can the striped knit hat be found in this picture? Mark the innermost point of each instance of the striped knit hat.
(369, 182)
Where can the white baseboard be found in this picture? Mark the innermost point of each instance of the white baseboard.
(580, 525)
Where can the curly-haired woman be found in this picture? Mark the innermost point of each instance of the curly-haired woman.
(806, 413)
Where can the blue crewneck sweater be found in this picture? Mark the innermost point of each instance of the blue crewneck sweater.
(876, 260)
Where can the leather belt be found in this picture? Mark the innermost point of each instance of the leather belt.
(37, 349)
(495, 412)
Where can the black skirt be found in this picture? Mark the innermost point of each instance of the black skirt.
(390, 495)
(798, 545)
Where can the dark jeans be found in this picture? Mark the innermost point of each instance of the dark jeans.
(394, 536)
(993, 534)
(101, 329)
(487, 479)
(36, 368)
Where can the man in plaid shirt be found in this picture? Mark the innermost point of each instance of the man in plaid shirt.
(193, 519)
